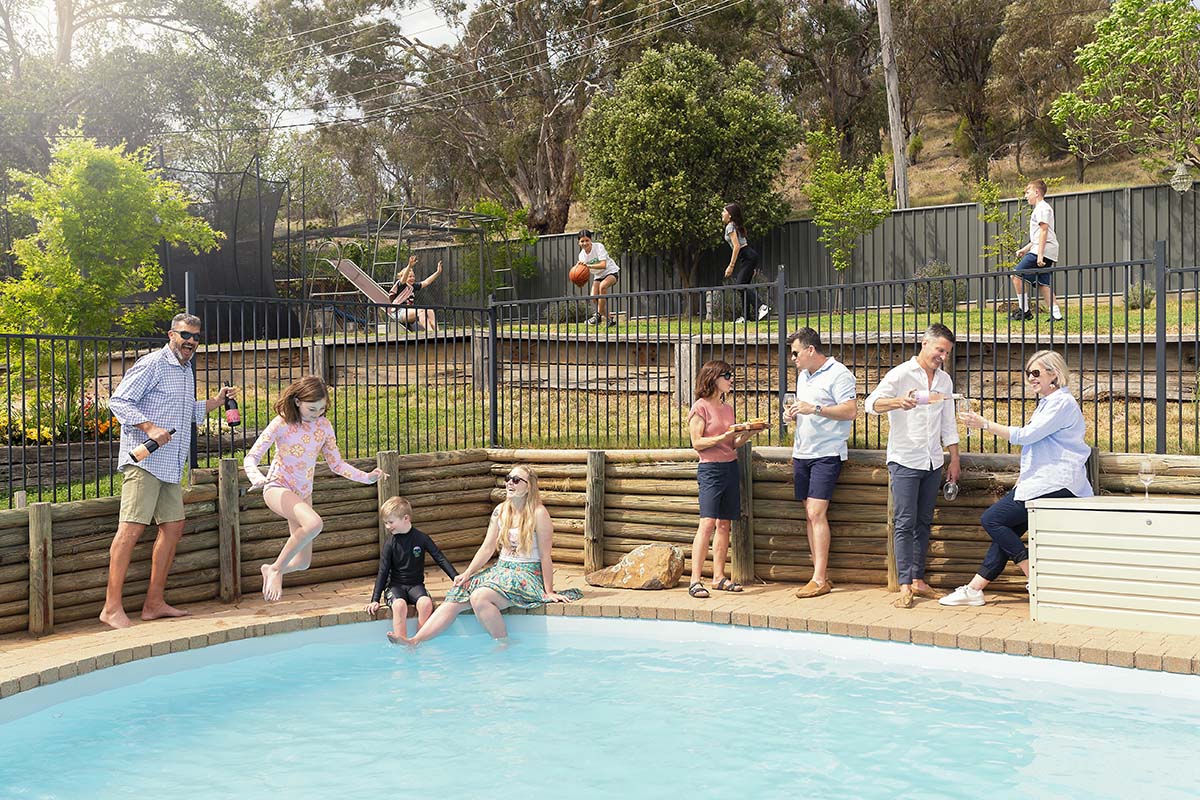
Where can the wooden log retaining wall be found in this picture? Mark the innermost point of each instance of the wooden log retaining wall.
(644, 496)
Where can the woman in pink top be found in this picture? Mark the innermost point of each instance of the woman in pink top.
(709, 423)
(298, 433)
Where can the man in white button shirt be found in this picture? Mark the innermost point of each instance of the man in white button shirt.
(825, 407)
(917, 397)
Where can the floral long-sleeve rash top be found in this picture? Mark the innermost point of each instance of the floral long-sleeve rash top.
(296, 448)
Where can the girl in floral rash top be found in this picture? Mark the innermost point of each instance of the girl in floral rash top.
(298, 433)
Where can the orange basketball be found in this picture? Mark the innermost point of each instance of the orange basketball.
(579, 274)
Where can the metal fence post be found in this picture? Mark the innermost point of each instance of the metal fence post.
(781, 337)
(189, 305)
(493, 377)
(1160, 347)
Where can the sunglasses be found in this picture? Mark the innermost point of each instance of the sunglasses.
(514, 479)
(727, 376)
(187, 336)
(1033, 373)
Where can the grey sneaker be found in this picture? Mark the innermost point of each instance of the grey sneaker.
(740, 321)
(1018, 314)
(594, 319)
(963, 596)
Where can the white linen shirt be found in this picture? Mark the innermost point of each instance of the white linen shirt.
(816, 436)
(158, 389)
(1053, 452)
(916, 437)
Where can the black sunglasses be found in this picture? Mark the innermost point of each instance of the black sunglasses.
(514, 479)
(187, 335)
(1033, 373)
(727, 376)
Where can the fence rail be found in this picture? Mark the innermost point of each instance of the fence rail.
(539, 373)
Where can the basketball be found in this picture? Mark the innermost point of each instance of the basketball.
(579, 274)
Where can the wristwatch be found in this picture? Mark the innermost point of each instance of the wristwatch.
(817, 411)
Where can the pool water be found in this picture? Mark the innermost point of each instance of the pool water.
(587, 708)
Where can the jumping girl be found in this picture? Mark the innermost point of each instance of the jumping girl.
(298, 433)
(404, 293)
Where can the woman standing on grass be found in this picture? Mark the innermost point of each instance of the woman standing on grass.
(1053, 464)
(299, 433)
(743, 262)
(523, 575)
(710, 424)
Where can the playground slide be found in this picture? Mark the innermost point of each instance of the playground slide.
(361, 280)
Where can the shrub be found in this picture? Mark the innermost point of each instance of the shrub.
(722, 305)
(1139, 295)
(568, 312)
(915, 145)
(934, 295)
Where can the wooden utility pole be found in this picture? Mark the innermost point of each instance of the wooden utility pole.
(891, 78)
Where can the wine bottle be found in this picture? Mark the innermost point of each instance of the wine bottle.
(143, 450)
(924, 398)
(233, 417)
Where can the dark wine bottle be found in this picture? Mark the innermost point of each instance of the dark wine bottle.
(139, 453)
(233, 417)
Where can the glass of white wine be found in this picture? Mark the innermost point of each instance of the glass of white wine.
(788, 399)
(1146, 474)
(962, 405)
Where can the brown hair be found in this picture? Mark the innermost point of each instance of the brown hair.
(309, 389)
(706, 381)
(398, 507)
(1040, 185)
(807, 337)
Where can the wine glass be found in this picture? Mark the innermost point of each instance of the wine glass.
(1146, 474)
(963, 405)
(788, 399)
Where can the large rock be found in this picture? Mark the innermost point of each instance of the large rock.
(651, 566)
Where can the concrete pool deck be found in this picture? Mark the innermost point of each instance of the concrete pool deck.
(1002, 626)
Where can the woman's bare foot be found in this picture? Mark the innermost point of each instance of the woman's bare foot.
(161, 611)
(397, 638)
(272, 588)
(117, 619)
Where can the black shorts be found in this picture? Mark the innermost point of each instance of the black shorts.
(409, 594)
(720, 489)
(616, 276)
(815, 477)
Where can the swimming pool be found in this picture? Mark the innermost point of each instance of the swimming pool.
(590, 708)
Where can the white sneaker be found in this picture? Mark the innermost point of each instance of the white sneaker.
(763, 311)
(963, 596)
(740, 321)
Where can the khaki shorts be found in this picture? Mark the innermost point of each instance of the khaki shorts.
(144, 497)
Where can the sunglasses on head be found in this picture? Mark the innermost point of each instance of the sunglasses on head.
(514, 479)
(727, 376)
(188, 335)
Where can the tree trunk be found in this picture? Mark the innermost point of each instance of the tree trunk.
(892, 82)
(65, 17)
(1080, 165)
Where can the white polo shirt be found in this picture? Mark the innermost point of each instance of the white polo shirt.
(816, 436)
(916, 437)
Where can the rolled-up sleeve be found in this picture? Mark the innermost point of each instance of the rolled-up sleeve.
(130, 390)
(886, 388)
(949, 424)
(201, 411)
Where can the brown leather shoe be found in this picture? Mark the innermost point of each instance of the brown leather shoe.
(905, 600)
(929, 594)
(814, 589)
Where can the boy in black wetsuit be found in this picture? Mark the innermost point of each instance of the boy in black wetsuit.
(401, 578)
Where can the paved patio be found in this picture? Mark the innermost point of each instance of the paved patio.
(1002, 626)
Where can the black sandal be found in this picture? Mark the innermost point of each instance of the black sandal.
(726, 585)
(697, 590)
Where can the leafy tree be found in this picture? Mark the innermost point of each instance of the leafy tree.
(1009, 218)
(508, 244)
(848, 201)
(1141, 83)
(1033, 62)
(954, 40)
(677, 139)
(101, 214)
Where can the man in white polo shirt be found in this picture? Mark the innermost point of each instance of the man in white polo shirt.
(917, 396)
(824, 411)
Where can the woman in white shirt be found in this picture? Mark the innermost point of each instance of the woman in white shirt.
(1053, 464)
(604, 275)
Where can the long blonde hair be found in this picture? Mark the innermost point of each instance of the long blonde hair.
(523, 519)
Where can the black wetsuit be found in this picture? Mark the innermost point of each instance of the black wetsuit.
(402, 566)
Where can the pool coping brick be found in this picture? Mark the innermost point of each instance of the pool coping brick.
(864, 612)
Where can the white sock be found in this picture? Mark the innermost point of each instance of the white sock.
(1023, 302)
(1055, 312)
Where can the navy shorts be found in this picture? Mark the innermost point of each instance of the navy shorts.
(409, 594)
(1027, 270)
(720, 489)
(815, 477)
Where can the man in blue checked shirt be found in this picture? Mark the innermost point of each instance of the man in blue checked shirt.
(157, 394)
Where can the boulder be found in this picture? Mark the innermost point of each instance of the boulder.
(651, 566)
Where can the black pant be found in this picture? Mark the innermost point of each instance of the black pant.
(1006, 521)
(743, 272)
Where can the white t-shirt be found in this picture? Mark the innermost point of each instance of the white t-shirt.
(821, 437)
(1042, 212)
(729, 230)
(597, 255)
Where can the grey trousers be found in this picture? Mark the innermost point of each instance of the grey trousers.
(914, 494)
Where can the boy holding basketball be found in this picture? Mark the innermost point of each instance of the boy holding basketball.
(604, 272)
(401, 578)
